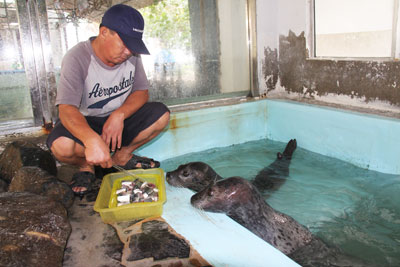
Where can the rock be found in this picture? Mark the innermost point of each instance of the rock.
(65, 172)
(157, 242)
(23, 153)
(33, 230)
(38, 181)
(29, 179)
(59, 191)
(3, 186)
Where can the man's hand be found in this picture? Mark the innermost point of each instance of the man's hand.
(112, 130)
(96, 150)
(98, 153)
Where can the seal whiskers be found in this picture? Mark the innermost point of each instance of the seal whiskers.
(203, 214)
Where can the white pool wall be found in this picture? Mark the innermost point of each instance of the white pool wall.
(198, 130)
(367, 141)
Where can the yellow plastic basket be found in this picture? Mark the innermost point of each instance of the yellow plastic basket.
(134, 210)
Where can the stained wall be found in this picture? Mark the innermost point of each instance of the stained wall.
(286, 71)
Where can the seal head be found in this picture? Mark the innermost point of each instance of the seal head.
(193, 175)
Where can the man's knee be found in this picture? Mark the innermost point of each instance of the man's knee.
(63, 147)
(163, 120)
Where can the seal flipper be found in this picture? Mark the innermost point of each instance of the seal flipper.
(290, 148)
(272, 177)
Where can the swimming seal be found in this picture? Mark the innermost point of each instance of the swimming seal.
(239, 199)
(199, 175)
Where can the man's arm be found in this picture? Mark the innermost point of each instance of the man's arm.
(96, 150)
(112, 129)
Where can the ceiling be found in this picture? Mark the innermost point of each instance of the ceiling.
(62, 11)
(92, 10)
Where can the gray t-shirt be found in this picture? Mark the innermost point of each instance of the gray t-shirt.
(92, 86)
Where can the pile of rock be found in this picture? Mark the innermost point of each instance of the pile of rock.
(37, 216)
(34, 225)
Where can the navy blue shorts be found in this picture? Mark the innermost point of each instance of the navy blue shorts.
(147, 115)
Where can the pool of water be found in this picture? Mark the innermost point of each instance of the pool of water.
(347, 206)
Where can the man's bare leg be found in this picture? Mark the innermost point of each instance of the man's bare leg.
(123, 155)
(68, 151)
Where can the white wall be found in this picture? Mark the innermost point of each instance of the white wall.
(235, 72)
(274, 18)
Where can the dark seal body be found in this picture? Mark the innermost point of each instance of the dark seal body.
(240, 200)
(199, 175)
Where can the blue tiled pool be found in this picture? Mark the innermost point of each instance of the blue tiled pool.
(365, 141)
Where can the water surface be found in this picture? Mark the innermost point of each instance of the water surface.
(353, 208)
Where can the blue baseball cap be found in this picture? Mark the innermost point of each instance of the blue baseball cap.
(129, 24)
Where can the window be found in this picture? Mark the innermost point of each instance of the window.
(199, 50)
(356, 28)
(15, 101)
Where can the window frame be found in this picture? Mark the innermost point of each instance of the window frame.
(311, 37)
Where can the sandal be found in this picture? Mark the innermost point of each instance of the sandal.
(145, 163)
(83, 179)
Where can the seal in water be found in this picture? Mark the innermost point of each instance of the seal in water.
(199, 175)
(239, 199)
(193, 175)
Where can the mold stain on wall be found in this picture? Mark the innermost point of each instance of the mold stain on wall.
(363, 79)
(270, 68)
